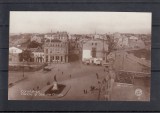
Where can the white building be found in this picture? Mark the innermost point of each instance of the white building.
(14, 55)
(94, 49)
(38, 54)
(15, 50)
(63, 36)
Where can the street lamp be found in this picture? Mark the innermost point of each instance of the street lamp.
(23, 68)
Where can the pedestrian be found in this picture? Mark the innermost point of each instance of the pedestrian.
(84, 91)
(112, 78)
(70, 75)
(62, 72)
(55, 78)
(97, 75)
(37, 87)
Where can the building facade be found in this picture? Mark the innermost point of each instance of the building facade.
(14, 55)
(56, 48)
(38, 54)
(94, 49)
(37, 38)
(129, 62)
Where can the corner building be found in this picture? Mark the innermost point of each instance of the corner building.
(56, 48)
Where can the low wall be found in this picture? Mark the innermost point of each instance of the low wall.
(27, 67)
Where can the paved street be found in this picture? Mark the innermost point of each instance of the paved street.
(82, 77)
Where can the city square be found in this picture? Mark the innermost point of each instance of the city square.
(86, 60)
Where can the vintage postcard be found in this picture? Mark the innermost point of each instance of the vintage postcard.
(82, 56)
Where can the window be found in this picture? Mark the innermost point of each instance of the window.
(61, 58)
(93, 52)
(47, 58)
(95, 43)
(57, 57)
(92, 43)
(46, 50)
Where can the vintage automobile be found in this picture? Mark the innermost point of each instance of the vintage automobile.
(97, 61)
(87, 62)
(105, 64)
(47, 68)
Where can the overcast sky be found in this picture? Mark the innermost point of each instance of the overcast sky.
(79, 22)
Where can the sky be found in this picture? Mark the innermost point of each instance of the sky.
(80, 22)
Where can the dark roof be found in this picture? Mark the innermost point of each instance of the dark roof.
(47, 40)
(55, 40)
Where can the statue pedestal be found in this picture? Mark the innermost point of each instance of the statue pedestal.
(55, 86)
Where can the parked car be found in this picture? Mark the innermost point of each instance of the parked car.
(105, 64)
(86, 61)
(47, 68)
(97, 61)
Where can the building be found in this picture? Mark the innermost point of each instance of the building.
(56, 48)
(38, 54)
(136, 43)
(21, 40)
(95, 48)
(14, 55)
(63, 36)
(121, 41)
(37, 38)
(129, 62)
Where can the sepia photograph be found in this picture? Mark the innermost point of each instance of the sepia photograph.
(79, 56)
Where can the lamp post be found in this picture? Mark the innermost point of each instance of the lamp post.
(23, 68)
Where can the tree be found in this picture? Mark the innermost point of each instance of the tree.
(111, 43)
(26, 55)
(34, 44)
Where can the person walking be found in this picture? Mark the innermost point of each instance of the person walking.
(97, 75)
(55, 78)
(112, 78)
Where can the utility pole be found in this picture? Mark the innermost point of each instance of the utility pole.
(23, 68)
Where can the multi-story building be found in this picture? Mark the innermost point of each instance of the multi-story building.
(56, 47)
(95, 48)
(14, 55)
(37, 38)
(38, 54)
(63, 36)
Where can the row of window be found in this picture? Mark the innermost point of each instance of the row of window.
(56, 45)
(56, 49)
(57, 37)
(52, 58)
(94, 44)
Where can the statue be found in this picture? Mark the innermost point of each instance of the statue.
(55, 86)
